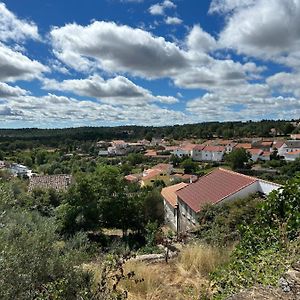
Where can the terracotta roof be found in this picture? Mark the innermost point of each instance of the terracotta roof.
(267, 143)
(278, 144)
(151, 173)
(244, 145)
(255, 151)
(56, 182)
(214, 187)
(169, 193)
(188, 147)
(162, 167)
(266, 153)
(214, 148)
(199, 147)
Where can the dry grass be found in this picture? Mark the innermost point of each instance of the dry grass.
(183, 278)
(202, 259)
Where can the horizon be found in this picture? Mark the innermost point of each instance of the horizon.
(147, 62)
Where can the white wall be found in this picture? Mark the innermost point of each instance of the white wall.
(170, 215)
(267, 187)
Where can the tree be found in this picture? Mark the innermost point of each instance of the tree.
(35, 262)
(237, 158)
(189, 166)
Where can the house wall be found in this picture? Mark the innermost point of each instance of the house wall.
(181, 153)
(170, 215)
(197, 155)
(267, 187)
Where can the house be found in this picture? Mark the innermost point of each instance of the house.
(57, 182)
(197, 152)
(279, 146)
(291, 146)
(255, 154)
(20, 170)
(213, 153)
(158, 172)
(219, 186)
(185, 150)
(118, 147)
(293, 155)
(170, 203)
(2, 164)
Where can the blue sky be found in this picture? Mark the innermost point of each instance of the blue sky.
(146, 62)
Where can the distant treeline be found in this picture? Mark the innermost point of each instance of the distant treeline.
(57, 137)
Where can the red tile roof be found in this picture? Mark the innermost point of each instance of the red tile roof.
(169, 193)
(214, 148)
(213, 187)
(199, 147)
(255, 151)
(244, 145)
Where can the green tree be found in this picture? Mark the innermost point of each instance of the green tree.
(238, 158)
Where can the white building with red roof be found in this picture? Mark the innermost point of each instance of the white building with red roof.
(219, 186)
(170, 203)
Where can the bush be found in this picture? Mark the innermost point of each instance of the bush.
(267, 247)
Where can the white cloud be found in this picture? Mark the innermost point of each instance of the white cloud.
(213, 107)
(7, 91)
(115, 91)
(16, 66)
(285, 83)
(12, 28)
(159, 8)
(225, 6)
(114, 48)
(265, 29)
(123, 49)
(200, 40)
(173, 21)
(53, 109)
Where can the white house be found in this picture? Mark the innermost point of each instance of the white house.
(170, 203)
(213, 153)
(185, 150)
(291, 156)
(216, 187)
(20, 170)
(255, 154)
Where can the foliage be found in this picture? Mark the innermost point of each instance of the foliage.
(267, 246)
(34, 262)
(219, 224)
(189, 166)
(237, 158)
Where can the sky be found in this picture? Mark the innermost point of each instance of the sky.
(147, 62)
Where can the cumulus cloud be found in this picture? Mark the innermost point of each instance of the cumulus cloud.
(51, 108)
(159, 8)
(115, 48)
(173, 21)
(12, 28)
(116, 91)
(7, 91)
(265, 29)
(16, 66)
(123, 49)
(212, 107)
(200, 40)
(283, 82)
